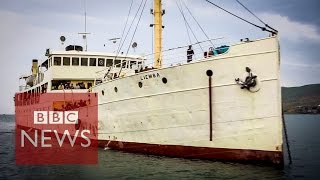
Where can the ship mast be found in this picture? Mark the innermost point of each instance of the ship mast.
(85, 33)
(157, 13)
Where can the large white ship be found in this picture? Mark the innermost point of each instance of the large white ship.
(225, 105)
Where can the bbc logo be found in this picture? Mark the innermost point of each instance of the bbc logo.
(55, 117)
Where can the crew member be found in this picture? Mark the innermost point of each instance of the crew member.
(190, 53)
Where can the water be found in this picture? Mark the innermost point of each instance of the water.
(304, 138)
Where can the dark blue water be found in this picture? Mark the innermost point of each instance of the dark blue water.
(304, 138)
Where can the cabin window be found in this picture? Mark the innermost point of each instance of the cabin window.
(117, 63)
(109, 62)
(75, 61)
(84, 61)
(49, 60)
(93, 62)
(132, 64)
(101, 61)
(124, 64)
(57, 61)
(66, 61)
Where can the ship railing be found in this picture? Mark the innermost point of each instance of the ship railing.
(69, 91)
(120, 69)
(171, 57)
(178, 56)
(22, 88)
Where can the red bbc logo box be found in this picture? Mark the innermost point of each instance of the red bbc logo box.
(56, 128)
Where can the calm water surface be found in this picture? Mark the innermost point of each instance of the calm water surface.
(304, 138)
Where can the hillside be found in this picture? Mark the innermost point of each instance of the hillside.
(306, 97)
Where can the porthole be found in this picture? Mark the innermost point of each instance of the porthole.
(115, 89)
(209, 73)
(164, 80)
(140, 84)
(102, 92)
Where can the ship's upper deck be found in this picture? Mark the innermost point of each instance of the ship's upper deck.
(75, 67)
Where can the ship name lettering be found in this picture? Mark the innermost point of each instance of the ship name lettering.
(150, 76)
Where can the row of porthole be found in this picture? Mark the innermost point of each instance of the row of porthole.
(164, 80)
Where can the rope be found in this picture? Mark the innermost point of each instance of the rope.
(135, 16)
(180, 9)
(250, 12)
(256, 16)
(262, 28)
(125, 27)
(286, 137)
(196, 22)
(134, 33)
(179, 47)
(121, 44)
(185, 23)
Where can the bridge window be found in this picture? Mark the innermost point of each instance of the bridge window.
(57, 61)
(109, 62)
(124, 64)
(75, 61)
(101, 61)
(117, 63)
(66, 61)
(93, 62)
(84, 61)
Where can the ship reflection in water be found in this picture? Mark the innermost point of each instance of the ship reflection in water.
(303, 136)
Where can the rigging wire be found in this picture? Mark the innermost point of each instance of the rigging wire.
(125, 26)
(135, 16)
(255, 15)
(121, 44)
(179, 47)
(250, 12)
(180, 9)
(196, 22)
(134, 33)
(262, 28)
(185, 23)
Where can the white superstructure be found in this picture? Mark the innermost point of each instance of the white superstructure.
(72, 67)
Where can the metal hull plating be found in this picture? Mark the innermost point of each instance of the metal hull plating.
(176, 113)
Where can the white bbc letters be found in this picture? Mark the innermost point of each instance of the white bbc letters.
(55, 117)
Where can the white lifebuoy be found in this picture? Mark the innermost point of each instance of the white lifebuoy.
(101, 62)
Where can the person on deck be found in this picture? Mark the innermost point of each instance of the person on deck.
(61, 86)
(190, 53)
(77, 86)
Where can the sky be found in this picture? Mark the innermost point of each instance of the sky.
(29, 27)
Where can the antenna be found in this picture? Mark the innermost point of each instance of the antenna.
(85, 33)
(114, 41)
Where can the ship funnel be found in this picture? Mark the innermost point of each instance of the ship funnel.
(35, 66)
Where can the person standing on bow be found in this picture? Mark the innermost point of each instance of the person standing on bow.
(190, 53)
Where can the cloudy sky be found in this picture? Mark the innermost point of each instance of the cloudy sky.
(28, 27)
